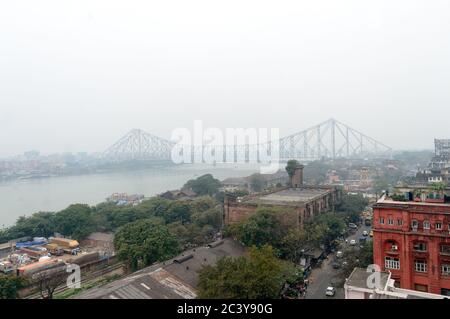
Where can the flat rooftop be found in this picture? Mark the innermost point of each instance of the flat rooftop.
(291, 196)
(359, 277)
(389, 201)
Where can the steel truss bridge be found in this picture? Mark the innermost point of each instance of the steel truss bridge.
(331, 139)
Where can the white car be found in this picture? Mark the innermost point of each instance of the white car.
(330, 292)
(365, 233)
(353, 242)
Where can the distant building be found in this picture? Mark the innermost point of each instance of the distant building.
(438, 169)
(304, 200)
(412, 239)
(174, 279)
(362, 285)
(184, 194)
(125, 199)
(103, 241)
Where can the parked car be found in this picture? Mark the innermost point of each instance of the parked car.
(335, 265)
(352, 242)
(339, 254)
(365, 233)
(352, 226)
(330, 292)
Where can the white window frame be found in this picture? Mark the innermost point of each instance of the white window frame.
(440, 226)
(420, 266)
(445, 269)
(392, 263)
(426, 224)
(390, 221)
(381, 220)
(400, 222)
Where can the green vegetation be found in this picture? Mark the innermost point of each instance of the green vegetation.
(356, 257)
(277, 228)
(257, 182)
(261, 275)
(204, 185)
(352, 206)
(291, 167)
(144, 242)
(78, 221)
(10, 286)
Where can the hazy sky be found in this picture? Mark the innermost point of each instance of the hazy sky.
(77, 75)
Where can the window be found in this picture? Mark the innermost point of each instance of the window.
(445, 249)
(399, 222)
(439, 226)
(390, 221)
(445, 270)
(415, 224)
(391, 263)
(381, 220)
(420, 247)
(421, 288)
(426, 224)
(420, 265)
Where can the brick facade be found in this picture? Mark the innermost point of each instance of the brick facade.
(411, 240)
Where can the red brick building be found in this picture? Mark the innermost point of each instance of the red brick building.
(412, 241)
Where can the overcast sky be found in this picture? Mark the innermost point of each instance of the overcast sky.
(77, 75)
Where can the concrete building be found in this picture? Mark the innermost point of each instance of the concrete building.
(301, 201)
(362, 285)
(412, 241)
(438, 170)
(173, 279)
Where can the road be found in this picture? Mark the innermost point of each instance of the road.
(325, 275)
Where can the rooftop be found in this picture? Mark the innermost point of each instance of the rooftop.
(290, 196)
(359, 277)
(173, 279)
(386, 290)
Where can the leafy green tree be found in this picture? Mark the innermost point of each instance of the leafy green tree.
(291, 166)
(204, 185)
(356, 257)
(144, 242)
(74, 221)
(262, 228)
(10, 286)
(259, 276)
(178, 211)
(352, 206)
(292, 243)
(257, 182)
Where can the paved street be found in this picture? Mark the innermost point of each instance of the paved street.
(324, 276)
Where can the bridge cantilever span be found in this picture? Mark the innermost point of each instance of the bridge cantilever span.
(330, 139)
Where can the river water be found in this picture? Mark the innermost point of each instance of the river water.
(24, 197)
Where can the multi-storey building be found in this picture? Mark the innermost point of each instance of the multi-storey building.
(412, 241)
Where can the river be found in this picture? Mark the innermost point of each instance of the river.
(24, 197)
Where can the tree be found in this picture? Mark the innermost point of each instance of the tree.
(263, 228)
(259, 276)
(10, 287)
(292, 165)
(292, 244)
(74, 221)
(352, 206)
(204, 185)
(144, 242)
(48, 280)
(257, 182)
(178, 211)
(362, 258)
